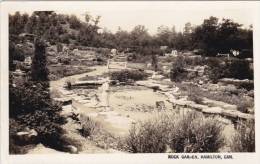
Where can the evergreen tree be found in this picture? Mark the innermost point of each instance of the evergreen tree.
(39, 70)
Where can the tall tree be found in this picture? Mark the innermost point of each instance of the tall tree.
(205, 36)
(39, 70)
(227, 36)
(163, 35)
(140, 36)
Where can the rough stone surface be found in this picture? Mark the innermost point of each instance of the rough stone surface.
(221, 104)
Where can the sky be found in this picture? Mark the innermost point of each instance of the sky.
(154, 14)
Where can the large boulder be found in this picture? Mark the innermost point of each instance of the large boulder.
(72, 149)
(29, 136)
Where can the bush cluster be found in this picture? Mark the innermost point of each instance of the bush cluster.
(191, 133)
(177, 72)
(126, 75)
(147, 137)
(89, 126)
(194, 134)
(235, 68)
(62, 71)
(31, 107)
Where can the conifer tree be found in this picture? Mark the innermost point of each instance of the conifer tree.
(39, 70)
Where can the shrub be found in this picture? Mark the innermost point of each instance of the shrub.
(177, 71)
(59, 47)
(39, 70)
(31, 107)
(195, 98)
(155, 63)
(27, 98)
(217, 69)
(244, 138)
(235, 68)
(189, 133)
(194, 133)
(194, 61)
(65, 141)
(146, 137)
(243, 106)
(14, 147)
(126, 75)
(62, 71)
(14, 54)
(89, 126)
(239, 69)
(68, 85)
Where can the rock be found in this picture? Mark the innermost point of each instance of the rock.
(64, 101)
(230, 113)
(157, 77)
(168, 149)
(72, 149)
(245, 116)
(201, 82)
(236, 81)
(198, 107)
(213, 110)
(221, 104)
(28, 136)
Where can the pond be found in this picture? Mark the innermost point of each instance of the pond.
(139, 103)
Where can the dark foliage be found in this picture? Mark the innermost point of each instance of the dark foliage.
(235, 68)
(39, 71)
(177, 71)
(31, 107)
(148, 137)
(220, 37)
(211, 37)
(193, 133)
(126, 75)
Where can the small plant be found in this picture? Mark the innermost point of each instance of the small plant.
(65, 142)
(235, 68)
(194, 61)
(146, 137)
(244, 138)
(68, 85)
(243, 106)
(126, 75)
(89, 126)
(155, 62)
(194, 133)
(177, 71)
(194, 97)
(191, 133)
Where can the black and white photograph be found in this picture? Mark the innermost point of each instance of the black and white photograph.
(131, 77)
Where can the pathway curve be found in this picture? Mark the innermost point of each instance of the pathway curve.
(112, 121)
